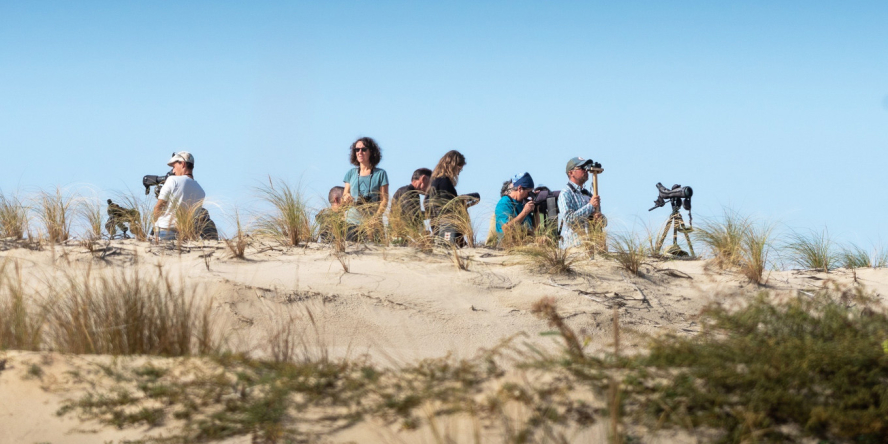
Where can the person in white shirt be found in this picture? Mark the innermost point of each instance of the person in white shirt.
(179, 191)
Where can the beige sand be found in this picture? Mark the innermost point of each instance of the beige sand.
(395, 304)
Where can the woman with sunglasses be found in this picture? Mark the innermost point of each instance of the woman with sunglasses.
(366, 188)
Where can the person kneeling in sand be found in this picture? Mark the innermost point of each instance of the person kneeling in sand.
(514, 213)
(328, 219)
(180, 195)
(406, 205)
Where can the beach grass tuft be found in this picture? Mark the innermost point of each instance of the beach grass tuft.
(237, 245)
(629, 250)
(724, 237)
(755, 249)
(56, 211)
(13, 217)
(289, 222)
(544, 251)
(813, 250)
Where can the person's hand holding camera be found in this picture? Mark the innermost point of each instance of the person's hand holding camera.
(528, 208)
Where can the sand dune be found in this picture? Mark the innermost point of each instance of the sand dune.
(396, 305)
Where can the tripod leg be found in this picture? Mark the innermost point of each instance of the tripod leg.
(690, 247)
(676, 219)
(662, 238)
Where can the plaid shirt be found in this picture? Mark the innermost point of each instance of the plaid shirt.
(574, 212)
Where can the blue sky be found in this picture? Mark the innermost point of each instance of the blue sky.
(777, 109)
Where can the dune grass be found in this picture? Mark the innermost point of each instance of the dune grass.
(237, 245)
(13, 217)
(120, 313)
(755, 250)
(56, 211)
(21, 324)
(93, 214)
(853, 256)
(141, 222)
(629, 250)
(289, 222)
(724, 237)
(406, 230)
(543, 250)
(813, 250)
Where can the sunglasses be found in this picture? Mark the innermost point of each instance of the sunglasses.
(362, 150)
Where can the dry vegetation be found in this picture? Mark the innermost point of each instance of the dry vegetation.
(289, 221)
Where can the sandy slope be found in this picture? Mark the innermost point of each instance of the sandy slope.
(395, 304)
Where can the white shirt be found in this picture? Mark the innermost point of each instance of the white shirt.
(178, 191)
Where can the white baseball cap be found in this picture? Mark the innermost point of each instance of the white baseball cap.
(181, 156)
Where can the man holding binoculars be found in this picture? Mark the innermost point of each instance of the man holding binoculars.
(576, 206)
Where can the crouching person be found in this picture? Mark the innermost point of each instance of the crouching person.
(514, 212)
(178, 210)
(331, 221)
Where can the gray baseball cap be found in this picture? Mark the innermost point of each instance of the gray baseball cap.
(577, 162)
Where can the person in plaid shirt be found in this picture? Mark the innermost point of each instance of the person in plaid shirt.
(576, 205)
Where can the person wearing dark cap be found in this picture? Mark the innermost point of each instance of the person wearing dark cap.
(514, 210)
(179, 191)
(576, 205)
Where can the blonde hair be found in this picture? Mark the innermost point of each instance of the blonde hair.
(449, 166)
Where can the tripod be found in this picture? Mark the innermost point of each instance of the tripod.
(678, 226)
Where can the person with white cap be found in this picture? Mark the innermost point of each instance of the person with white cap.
(514, 210)
(575, 204)
(178, 191)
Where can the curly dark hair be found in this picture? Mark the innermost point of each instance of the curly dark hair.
(375, 153)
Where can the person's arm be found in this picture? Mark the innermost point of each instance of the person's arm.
(159, 208)
(571, 216)
(346, 193)
(519, 219)
(383, 199)
(163, 198)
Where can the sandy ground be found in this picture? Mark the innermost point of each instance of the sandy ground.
(395, 304)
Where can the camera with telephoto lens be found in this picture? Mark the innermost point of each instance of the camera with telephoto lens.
(156, 182)
(679, 196)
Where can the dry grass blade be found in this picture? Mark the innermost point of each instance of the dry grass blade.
(55, 211)
(629, 250)
(813, 251)
(461, 263)
(754, 251)
(547, 255)
(855, 257)
(289, 222)
(880, 257)
(366, 223)
(92, 213)
(21, 323)
(454, 215)
(238, 244)
(140, 220)
(123, 313)
(13, 217)
(725, 238)
(546, 308)
(405, 229)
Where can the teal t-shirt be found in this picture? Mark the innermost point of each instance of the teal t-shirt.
(506, 210)
(366, 187)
